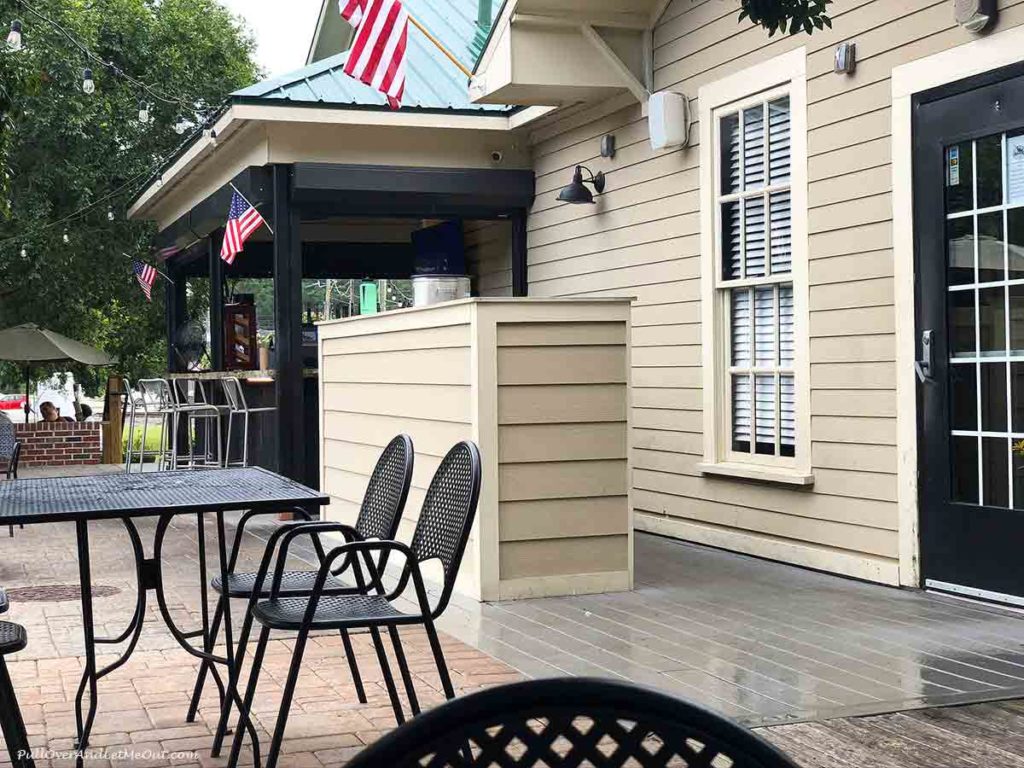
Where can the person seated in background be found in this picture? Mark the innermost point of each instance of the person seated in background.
(50, 413)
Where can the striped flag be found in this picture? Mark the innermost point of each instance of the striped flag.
(243, 220)
(377, 56)
(146, 275)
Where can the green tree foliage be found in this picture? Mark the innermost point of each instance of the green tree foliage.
(782, 15)
(62, 149)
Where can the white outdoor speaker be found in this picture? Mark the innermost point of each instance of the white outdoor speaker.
(668, 119)
(974, 15)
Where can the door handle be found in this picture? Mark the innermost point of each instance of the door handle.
(923, 367)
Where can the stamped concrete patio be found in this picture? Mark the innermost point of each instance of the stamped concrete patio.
(770, 645)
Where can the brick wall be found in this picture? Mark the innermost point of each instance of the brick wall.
(59, 443)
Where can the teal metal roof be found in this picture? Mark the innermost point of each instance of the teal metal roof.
(432, 81)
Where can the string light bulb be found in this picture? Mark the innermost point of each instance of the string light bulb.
(66, 238)
(143, 112)
(88, 85)
(24, 252)
(14, 36)
(110, 214)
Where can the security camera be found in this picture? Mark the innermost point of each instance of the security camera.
(497, 156)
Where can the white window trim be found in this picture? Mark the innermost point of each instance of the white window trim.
(784, 74)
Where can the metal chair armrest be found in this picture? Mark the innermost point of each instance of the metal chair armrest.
(313, 530)
(411, 570)
(246, 517)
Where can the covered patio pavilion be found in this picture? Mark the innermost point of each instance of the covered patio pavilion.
(343, 182)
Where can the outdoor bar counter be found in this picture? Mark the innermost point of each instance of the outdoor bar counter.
(541, 385)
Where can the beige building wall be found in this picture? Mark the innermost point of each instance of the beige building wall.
(643, 239)
(489, 256)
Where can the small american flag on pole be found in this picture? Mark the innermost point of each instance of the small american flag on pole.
(146, 275)
(377, 56)
(243, 220)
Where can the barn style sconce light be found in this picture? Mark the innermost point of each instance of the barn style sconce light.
(577, 193)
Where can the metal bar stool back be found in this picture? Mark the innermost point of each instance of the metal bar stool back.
(238, 410)
(191, 400)
(156, 401)
(571, 721)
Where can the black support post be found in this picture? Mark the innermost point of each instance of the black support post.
(175, 310)
(216, 301)
(520, 268)
(291, 432)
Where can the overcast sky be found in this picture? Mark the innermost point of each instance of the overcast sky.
(283, 30)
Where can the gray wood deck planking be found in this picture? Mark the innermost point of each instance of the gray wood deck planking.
(761, 641)
(954, 737)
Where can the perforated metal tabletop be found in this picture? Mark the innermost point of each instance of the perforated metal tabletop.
(96, 497)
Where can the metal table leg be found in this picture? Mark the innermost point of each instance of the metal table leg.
(89, 678)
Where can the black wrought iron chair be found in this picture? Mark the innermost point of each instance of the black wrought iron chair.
(442, 532)
(570, 722)
(12, 640)
(379, 517)
(10, 452)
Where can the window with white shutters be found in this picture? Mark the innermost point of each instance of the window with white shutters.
(755, 282)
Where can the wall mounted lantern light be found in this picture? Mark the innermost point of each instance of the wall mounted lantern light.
(577, 193)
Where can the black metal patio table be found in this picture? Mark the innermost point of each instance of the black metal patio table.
(163, 495)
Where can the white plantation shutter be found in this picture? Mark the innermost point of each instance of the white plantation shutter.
(756, 246)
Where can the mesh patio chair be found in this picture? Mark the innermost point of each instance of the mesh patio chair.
(10, 452)
(12, 640)
(571, 722)
(442, 531)
(379, 517)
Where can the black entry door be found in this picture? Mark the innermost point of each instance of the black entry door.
(969, 234)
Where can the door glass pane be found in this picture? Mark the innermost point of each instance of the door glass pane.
(993, 397)
(1015, 239)
(960, 177)
(1014, 159)
(1018, 475)
(961, 323)
(964, 452)
(996, 471)
(1017, 319)
(991, 321)
(960, 250)
(1017, 394)
(990, 171)
(990, 247)
(765, 414)
(963, 397)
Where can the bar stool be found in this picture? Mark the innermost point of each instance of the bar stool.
(237, 407)
(193, 402)
(12, 640)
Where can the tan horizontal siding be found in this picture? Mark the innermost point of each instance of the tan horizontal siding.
(489, 256)
(556, 557)
(643, 240)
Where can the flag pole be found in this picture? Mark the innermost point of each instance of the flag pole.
(440, 46)
(251, 206)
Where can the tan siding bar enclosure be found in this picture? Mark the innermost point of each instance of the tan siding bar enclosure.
(542, 385)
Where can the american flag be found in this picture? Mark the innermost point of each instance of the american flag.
(377, 56)
(146, 275)
(243, 220)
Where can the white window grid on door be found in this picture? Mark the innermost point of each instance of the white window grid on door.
(770, 276)
(979, 358)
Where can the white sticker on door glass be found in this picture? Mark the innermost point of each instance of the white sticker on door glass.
(953, 165)
(1015, 169)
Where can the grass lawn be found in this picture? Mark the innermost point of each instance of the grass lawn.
(153, 437)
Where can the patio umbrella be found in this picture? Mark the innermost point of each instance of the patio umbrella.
(29, 344)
